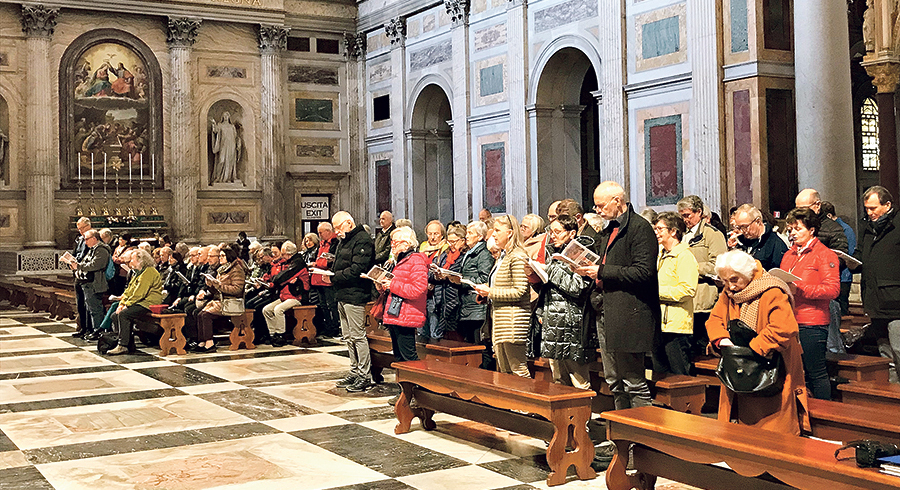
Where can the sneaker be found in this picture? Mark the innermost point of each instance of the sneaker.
(278, 341)
(361, 384)
(120, 349)
(393, 400)
(604, 451)
(347, 381)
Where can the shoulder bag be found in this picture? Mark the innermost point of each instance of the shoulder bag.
(232, 306)
(743, 371)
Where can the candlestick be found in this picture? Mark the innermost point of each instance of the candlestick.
(153, 167)
(142, 166)
(104, 166)
(79, 166)
(92, 167)
(130, 159)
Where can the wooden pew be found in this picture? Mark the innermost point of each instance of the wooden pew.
(683, 448)
(837, 421)
(305, 330)
(172, 336)
(859, 368)
(16, 291)
(502, 400)
(883, 396)
(66, 306)
(452, 351)
(242, 333)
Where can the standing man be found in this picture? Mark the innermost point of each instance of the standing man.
(629, 321)
(846, 275)
(433, 248)
(90, 278)
(324, 290)
(552, 213)
(383, 237)
(355, 255)
(880, 284)
(82, 225)
(757, 237)
(571, 208)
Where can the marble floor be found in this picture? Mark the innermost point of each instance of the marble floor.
(262, 419)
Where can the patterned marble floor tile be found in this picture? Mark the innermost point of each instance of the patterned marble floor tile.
(178, 376)
(6, 321)
(442, 441)
(301, 378)
(55, 328)
(246, 369)
(61, 372)
(257, 405)
(155, 363)
(40, 351)
(324, 396)
(377, 485)
(28, 390)
(42, 362)
(522, 469)
(88, 400)
(276, 461)
(30, 318)
(211, 388)
(6, 444)
(17, 330)
(304, 422)
(384, 412)
(24, 477)
(36, 342)
(464, 478)
(12, 459)
(223, 354)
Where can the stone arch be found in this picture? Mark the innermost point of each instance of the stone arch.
(563, 42)
(429, 143)
(246, 165)
(422, 84)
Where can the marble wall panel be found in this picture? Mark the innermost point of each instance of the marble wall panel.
(8, 58)
(428, 23)
(564, 13)
(431, 55)
(316, 75)
(493, 166)
(740, 40)
(383, 185)
(221, 218)
(658, 41)
(743, 146)
(10, 227)
(490, 37)
(228, 217)
(660, 37)
(314, 151)
(663, 160)
(314, 110)
(379, 72)
(491, 81)
(479, 6)
(414, 28)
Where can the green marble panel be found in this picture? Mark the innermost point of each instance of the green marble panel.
(660, 37)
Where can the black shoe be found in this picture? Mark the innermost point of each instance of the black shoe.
(348, 380)
(361, 384)
(205, 350)
(93, 336)
(267, 340)
(278, 341)
(190, 346)
(79, 334)
(393, 400)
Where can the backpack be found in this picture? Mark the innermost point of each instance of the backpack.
(110, 269)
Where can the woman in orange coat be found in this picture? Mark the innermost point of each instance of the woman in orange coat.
(763, 302)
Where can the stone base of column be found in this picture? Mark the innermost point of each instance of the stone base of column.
(45, 244)
(273, 238)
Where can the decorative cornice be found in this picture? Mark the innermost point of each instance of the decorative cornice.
(181, 32)
(396, 30)
(516, 3)
(885, 75)
(38, 21)
(272, 38)
(354, 45)
(458, 10)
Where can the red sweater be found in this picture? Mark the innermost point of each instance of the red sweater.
(410, 283)
(820, 281)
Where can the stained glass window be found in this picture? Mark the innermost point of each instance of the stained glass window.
(869, 117)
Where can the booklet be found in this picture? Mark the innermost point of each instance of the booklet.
(210, 277)
(850, 260)
(316, 270)
(68, 258)
(783, 275)
(445, 272)
(577, 255)
(184, 280)
(539, 270)
(377, 274)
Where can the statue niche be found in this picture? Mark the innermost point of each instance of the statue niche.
(226, 153)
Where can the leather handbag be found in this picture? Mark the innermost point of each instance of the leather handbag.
(743, 371)
(377, 310)
(232, 306)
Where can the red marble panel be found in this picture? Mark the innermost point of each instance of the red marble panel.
(743, 150)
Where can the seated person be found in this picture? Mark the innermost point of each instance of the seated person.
(229, 283)
(292, 283)
(173, 284)
(143, 289)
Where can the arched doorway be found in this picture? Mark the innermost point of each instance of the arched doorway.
(565, 125)
(430, 145)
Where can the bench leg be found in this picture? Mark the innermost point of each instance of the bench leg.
(406, 411)
(570, 430)
(172, 337)
(618, 479)
(242, 331)
(305, 330)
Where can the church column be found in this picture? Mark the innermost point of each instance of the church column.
(402, 188)
(38, 24)
(355, 51)
(823, 101)
(464, 209)
(706, 103)
(521, 177)
(272, 41)
(885, 77)
(613, 132)
(184, 168)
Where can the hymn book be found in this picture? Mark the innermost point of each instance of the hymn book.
(784, 275)
(577, 255)
(377, 274)
(68, 258)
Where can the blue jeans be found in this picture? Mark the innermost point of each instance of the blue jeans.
(433, 328)
(813, 339)
(835, 341)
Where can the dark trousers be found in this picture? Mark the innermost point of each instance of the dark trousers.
(700, 339)
(93, 304)
(327, 308)
(190, 320)
(124, 322)
(206, 323)
(403, 340)
(674, 354)
(843, 299)
(83, 322)
(469, 330)
(813, 339)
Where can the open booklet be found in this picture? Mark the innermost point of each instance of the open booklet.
(850, 260)
(210, 277)
(68, 258)
(377, 274)
(539, 270)
(577, 255)
(181, 277)
(444, 272)
(316, 270)
(783, 275)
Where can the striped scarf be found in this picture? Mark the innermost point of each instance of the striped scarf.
(748, 298)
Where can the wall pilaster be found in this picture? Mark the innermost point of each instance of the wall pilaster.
(613, 132)
(463, 164)
(396, 32)
(521, 176)
(272, 41)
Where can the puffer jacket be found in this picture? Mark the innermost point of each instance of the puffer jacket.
(564, 334)
(293, 280)
(510, 299)
(354, 256)
(677, 272)
(411, 284)
(820, 281)
(476, 267)
(706, 246)
(446, 294)
(231, 285)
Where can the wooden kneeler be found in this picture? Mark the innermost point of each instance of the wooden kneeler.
(304, 331)
(242, 333)
(172, 336)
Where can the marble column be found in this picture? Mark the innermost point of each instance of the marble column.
(523, 199)
(38, 24)
(401, 185)
(703, 174)
(463, 165)
(355, 52)
(272, 41)
(614, 130)
(184, 167)
(886, 76)
(823, 102)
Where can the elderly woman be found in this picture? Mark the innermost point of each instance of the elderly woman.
(292, 284)
(820, 282)
(446, 295)
(763, 302)
(144, 289)
(508, 292)
(229, 283)
(476, 267)
(404, 309)
(432, 248)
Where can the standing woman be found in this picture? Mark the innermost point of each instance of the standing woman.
(763, 302)
(446, 295)
(229, 283)
(820, 282)
(476, 267)
(508, 292)
(409, 288)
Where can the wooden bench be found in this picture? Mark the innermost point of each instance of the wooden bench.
(66, 306)
(16, 292)
(883, 396)
(41, 299)
(242, 333)
(305, 330)
(501, 400)
(678, 392)
(452, 351)
(172, 336)
(684, 447)
(845, 422)
(859, 368)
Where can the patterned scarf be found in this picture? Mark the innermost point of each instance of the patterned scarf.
(748, 298)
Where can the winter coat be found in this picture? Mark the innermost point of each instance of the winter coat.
(143, 289)
(231, 285)
(879, 252)
(382, 243)
(768, 249)
(677, 285)
(410, 283)
(325, 246)
(173, 285)
(820, 281)
(831, 234)
(706, 245)
(293, 281)
(630, 288)
(510, 299)
(446, 294)
(354, 255)
(476, 267)
(92, 267)
(563, 332)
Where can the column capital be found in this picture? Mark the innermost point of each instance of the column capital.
(181, 32)
(354, 45)
(396, 31)
(458, 10)
(885, 75)
(272, 38)
(38, 21)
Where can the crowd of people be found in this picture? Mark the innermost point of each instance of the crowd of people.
(667, 285)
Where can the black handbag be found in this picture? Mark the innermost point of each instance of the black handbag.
(868, 451)
(743, 371)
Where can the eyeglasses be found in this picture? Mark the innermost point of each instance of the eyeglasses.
(557, 232)
(398, 242)
(601, 207)
(660, 228)
(743, 228)
(222, 255)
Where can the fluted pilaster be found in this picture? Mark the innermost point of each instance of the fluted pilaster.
(38, 24)
(521, 176)
(401, 185)
(613, 132)
(185, 168)
(705, 106)
(355, 51)
(459, 106)
(272, 41)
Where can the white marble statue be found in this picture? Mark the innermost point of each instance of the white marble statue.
(226, 146)
(869, 26)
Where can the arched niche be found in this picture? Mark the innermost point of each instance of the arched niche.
(228, 145)
(110, 96)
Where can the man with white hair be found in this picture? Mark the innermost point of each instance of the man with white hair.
(354, 255)
(757, 237)
(79, 251)
(383, 237)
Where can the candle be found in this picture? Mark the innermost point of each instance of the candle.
(104, 166)
(153, 167)
(92, 167)
(79, 166)
(142, 165)
(130, 159)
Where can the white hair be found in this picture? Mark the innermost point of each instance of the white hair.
(406, 234)
(289, 248)
(738, 261)
(478, 227)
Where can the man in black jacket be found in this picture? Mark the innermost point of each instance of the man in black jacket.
(757, 238)
(90, 277)
(383, 237)
(354, 256)
(878, 250)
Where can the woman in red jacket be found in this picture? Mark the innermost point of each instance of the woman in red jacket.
(817, 267)
(404, 310)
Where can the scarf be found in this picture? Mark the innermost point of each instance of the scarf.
(878, 226)
(748, 298)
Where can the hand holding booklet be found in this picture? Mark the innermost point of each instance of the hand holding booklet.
(577, 255)
(444, 272)
(850, 260)
(377, 274)
(68, 258)
(783, 275)
(316, 270)
(539, 270)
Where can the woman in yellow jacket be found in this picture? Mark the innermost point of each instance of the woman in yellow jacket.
(678, 274)
(144, 289)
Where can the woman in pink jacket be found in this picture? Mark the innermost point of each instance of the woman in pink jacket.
(817, 267)
(404, 310)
